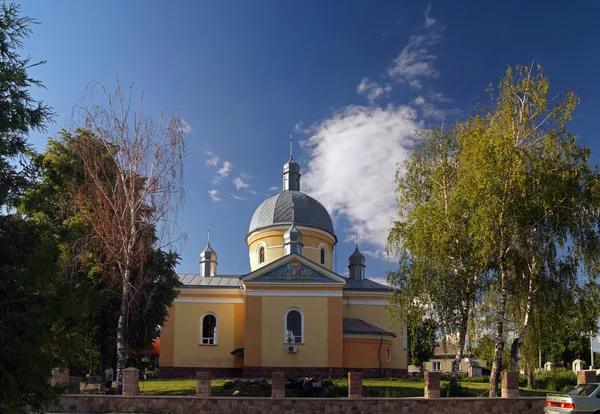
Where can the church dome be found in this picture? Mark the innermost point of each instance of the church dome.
(277, 210)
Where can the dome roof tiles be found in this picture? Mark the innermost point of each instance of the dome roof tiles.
(278, 210)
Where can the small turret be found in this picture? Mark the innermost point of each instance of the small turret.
(292, 238)
(291, 173)
(356, 265)
(208, 260)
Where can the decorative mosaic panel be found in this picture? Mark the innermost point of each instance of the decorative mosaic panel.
(293, 270)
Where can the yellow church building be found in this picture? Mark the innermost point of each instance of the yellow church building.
(292, 312)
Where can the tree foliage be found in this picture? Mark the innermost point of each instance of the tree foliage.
(422, 340)
(510, 209)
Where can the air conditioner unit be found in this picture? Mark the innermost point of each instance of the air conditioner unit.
(292, 349)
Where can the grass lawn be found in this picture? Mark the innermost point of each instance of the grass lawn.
(371, 388)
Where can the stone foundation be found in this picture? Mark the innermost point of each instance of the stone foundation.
(290, 372)
(297, 372)
(190, 372)
(163, 404)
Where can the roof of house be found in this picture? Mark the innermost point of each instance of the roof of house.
(358, 326)
(449, 350)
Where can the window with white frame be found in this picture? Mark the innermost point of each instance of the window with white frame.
(437, 366)
(209, 329)
(322, 256)
(261, 255)
(294, 327)
(388, 353)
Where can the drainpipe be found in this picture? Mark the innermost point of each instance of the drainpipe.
(379, 353)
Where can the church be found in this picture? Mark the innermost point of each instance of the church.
(291, 312)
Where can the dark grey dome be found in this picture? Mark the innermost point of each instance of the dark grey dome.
(356, 258)
(278, 210)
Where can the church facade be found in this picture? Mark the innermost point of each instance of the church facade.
(291, 312)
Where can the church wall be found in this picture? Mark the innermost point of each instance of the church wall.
(365, 353)
(314, 351)
(335, 332)
(188, 352)
(167, 340)
(377, 315)
(252, 335)
(273, 239)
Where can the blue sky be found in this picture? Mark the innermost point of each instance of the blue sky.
(351, 80)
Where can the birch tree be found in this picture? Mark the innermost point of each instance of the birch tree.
(527, 184)
(439, 276)
(133, 190)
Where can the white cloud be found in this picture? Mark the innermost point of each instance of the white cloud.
(213, 195)
(239, 183)
(212, 162)
(415, 61)
(273, 189)
(419, 100)
(225, 169)
(372, 89)
(237, 197)
(352, 164)
(429, 21)
(223, 172)
(438, 97)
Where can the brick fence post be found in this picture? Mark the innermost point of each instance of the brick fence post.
(59, 377)
(586, 377)
(131, 382)
(432, 384)
(354, 385)
(510, 384)
(203, 379)
(277, 385)
(74, 385)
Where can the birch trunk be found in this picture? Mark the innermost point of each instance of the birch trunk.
(462, 335)
(518, 341)
(500, 315)
(121, 331)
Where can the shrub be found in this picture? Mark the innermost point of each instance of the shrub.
(558, 380)
(450, 389)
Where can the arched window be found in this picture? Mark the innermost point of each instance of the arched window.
(261, 255)
(322, 256)
(209, 329)
(294, 325)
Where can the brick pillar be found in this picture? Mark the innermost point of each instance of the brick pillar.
(131, 382)
(59, 377)
(277, 385)
(354, 385)
(432, 384)
(586, 377)
(74, 385)
(203, 384)
(510, 384)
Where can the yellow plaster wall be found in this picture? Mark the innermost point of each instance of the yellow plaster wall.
(364, 353)
(187, 349)
(335, 332)
(376, 315)
(167, 340)
(314, 351)
(273, 239)
(252, 335)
